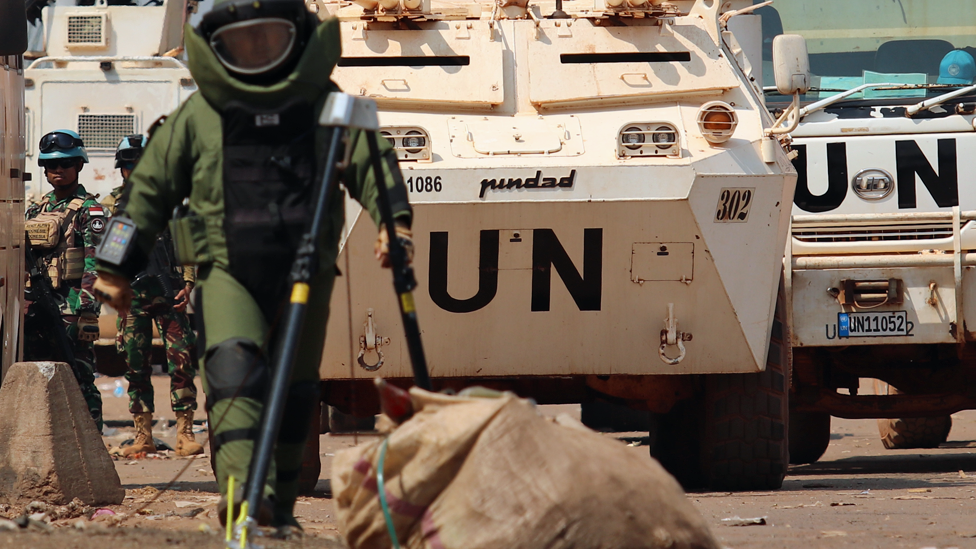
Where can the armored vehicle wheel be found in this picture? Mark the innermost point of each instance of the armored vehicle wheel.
(744, 443)
(734, 436)
(914, 432)
(809, 436)
(911, 432)
(613, 418)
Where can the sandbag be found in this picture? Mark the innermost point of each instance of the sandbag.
(484, 473)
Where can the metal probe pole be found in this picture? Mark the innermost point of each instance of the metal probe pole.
(403, 279)
(303, 269)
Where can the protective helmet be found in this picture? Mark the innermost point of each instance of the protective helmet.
(256, 37)
(957, 67)
(61, 144)
(130, 149)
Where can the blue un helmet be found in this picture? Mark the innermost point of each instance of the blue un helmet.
(130, 150)
(61, 144)
(957, 67)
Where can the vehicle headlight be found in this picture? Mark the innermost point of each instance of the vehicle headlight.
(717, 121)
(664, 137)
(410, 143)
(632, 138)
(648, 139)
(414, 141)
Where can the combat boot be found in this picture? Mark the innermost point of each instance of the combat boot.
(144, 439)
(186, 445)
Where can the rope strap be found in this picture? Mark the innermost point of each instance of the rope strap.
(381, 488)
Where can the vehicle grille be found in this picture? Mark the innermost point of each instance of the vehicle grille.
(86, 29)
(877, 233)
(104, 131)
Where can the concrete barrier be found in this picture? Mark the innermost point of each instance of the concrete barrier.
(50, 449)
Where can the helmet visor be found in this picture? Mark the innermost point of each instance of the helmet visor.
(59, 141)
(129, 155)
(255, 46)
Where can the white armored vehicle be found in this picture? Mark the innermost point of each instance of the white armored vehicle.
(884, 221)
(598, 209)
(106, 70)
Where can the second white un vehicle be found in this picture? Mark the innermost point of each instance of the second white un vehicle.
(882, 281)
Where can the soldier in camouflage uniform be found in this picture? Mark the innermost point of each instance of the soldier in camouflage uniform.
(160, 294)
(64, 229)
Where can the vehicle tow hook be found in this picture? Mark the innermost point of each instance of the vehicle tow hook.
(671, 336)
(371, 342)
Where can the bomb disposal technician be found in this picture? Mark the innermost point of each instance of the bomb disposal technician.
(248, 154)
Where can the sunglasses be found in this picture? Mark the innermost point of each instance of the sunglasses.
(63, 163)
(62, 141)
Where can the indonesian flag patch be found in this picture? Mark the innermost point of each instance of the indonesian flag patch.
(96, 210)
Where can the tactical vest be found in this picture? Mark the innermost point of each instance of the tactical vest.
(269, 176)
(112, 202)
(53, 235)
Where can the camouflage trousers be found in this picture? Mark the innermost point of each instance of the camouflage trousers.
(41, 344)
(150, 304)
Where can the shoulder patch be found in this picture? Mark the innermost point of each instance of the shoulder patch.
(97, 224)
(96, 210)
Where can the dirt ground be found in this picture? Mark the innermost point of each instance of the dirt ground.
(859, 495)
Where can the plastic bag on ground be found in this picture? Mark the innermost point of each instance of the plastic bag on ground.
(484, 473)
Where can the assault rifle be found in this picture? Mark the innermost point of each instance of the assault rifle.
(161, 262)
(42, 294)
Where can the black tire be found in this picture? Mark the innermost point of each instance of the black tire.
(914, 432)
(744, 443)
(911, 432)
(613, 418)
(346, 423)
(809, 436)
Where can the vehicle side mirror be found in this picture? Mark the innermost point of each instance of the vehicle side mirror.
(13, 27)
(791, 64)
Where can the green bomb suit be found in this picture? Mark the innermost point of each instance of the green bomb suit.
(244, 235)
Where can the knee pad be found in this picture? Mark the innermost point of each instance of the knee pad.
(302, 398)
(236, 368)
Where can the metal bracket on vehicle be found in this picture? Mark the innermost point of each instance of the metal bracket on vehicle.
(957, 275)
(371, 342)
(671, 336)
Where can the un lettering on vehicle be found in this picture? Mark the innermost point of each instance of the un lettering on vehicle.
(925, 168)
(550, 265)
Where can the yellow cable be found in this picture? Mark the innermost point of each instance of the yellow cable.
(243, 519)
(230, 507)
